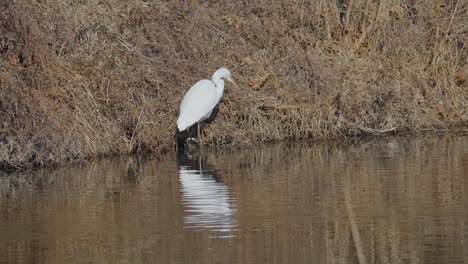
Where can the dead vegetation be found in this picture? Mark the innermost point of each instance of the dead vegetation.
(80, 79)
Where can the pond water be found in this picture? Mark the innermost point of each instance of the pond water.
(390, 200)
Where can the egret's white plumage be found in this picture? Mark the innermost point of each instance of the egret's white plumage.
(201, 99)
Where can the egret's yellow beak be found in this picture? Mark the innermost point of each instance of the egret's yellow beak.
(232, 81)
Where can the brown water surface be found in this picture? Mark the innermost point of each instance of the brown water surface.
(397, 200)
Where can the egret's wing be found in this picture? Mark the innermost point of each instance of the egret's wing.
(198, 102)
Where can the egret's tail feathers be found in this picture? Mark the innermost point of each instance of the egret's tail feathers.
(181, 128)
(182, 124)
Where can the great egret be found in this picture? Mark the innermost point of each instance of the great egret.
(201, 99)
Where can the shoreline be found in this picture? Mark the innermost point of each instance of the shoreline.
(6, 170)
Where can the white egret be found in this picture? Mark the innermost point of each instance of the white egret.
(201, 99)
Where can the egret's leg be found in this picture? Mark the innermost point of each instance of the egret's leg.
(199, 135)
(200, 164)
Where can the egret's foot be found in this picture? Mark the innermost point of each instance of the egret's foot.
(192, 140)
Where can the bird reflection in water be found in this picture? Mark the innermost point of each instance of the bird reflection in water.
(206, 199)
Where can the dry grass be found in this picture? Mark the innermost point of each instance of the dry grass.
(80, 79)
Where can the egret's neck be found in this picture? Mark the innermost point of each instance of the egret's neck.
(219, 83)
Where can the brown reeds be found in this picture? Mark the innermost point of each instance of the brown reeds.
(80, 79)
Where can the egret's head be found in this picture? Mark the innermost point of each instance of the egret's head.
(223, 73)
